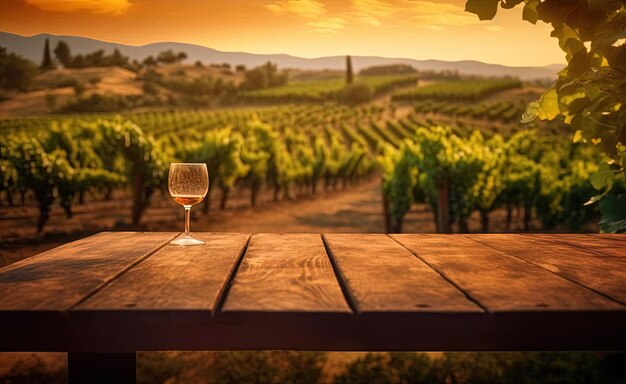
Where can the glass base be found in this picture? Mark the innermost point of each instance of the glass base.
(187, 241)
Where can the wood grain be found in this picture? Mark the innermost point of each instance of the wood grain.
(612, 236)
(175, 277)
(123, 292)
(381, 275)
(601, 244)
(604, 274)
(289, 273)
(502, 283)
(57, 279)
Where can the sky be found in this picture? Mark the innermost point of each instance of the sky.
(418, 29)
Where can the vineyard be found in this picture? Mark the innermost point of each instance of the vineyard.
(507, 111)
(467, 89)
(325, 90)
(454, 168)
(64, 158)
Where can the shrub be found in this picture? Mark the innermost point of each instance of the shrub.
(150, 88)
(356, 94)
(51, 101)
(158, 367)
(285, 367)
(79, 87)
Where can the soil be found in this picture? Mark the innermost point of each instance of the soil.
(356, 209)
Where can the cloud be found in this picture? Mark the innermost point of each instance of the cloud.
(329, 25)
(309, 9)
(436, 14)
(372, 11)
(494, 28)
(95, 6)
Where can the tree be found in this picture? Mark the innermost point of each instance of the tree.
(181, 56)
(589, 94)
(170, 57)
(46, 63)
(63, 53)
(349, 73)
(117, 59)
(240, 68)
(15, 71)
(150, 61)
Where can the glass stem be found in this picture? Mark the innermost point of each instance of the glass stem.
(187, 217)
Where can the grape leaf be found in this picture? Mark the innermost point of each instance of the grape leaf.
(530, 114)
(530, 11)
(603, 178)
(549, 105)
(613, 209)
(485, 9)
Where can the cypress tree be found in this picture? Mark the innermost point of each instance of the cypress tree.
(47, 59)
(349, 74)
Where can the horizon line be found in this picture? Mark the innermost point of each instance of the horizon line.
(278, 54)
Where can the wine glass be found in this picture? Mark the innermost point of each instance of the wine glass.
(188, 184)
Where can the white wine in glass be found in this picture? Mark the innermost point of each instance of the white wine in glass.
(188, 184)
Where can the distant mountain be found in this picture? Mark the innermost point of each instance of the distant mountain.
(31, 47)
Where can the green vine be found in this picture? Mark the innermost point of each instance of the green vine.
(590, 93)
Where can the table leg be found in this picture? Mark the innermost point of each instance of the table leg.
(101, 368)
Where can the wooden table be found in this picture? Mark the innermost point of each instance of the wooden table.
(106, 296)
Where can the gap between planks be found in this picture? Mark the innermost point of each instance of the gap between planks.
(223, 293)
(504, 251)
(467, 295)
(345, 289)
(121, 272)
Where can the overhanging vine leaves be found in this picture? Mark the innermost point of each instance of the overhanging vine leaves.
(590, 93)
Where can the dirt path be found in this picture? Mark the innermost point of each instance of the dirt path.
(357, 209)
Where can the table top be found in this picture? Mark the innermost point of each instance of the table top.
(128, 291)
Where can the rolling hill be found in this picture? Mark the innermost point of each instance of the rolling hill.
(31, 47)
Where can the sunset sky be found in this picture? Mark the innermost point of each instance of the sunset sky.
(417, 29)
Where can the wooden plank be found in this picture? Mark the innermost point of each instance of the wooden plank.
(175, 277)
(502, 283)
(601, 244)
(59, 278)
(612, 236)
(381, 275)
(287, 273)
(36, 292)
(604, 274)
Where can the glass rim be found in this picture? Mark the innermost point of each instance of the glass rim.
(187, 164)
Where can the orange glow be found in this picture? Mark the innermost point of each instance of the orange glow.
(419, 29)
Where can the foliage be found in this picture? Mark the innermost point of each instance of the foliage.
(97, 58)
(158, 367)
(170, 57)
(392, 69)
(264, 76)
(590, 92)
(16, 73)
(239, 147)
(266, 367)
(507, 111)
(63, 53)
(349, 72)
(325, 90)
(482, 174)
(503, 367)
(467, 89)
(356, 94)
(46, 62)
